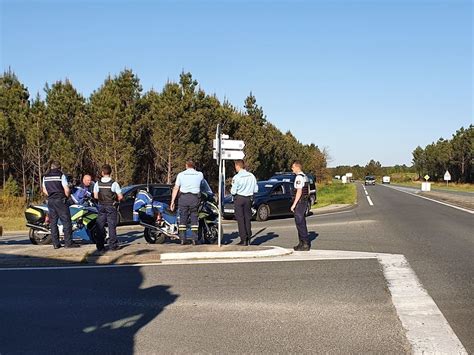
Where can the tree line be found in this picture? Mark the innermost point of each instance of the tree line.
(144, 136)
(373, 167)
(455, 155)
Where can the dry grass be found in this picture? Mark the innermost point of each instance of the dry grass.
(336, 192)
(440, 185)
(12, 213)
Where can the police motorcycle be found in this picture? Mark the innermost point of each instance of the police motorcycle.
(83, 218)
(161, 223)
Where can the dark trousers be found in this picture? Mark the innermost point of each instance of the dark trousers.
(188, 211)
(300, 220)
(58, 209)
(243, 215)
(107, 214)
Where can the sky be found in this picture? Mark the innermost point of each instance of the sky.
(365, 79)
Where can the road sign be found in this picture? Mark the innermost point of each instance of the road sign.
(229, 144)
(447, 176)
(232, 154)
(427, 177)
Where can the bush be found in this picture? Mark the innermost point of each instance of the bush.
(11, 188)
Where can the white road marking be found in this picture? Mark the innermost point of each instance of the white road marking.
(370, 201)
(426, 328)
(430, 199)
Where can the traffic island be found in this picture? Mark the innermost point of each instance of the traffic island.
(129, 254)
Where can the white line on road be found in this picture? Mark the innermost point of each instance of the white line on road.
(370, 201)
(426, 328)
(430, 199)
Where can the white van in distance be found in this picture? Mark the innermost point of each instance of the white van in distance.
(386, 180)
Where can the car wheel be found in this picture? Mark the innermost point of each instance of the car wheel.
(263, 212)
(154, 237)
(39, 238)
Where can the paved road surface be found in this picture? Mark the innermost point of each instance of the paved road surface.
(343, 300)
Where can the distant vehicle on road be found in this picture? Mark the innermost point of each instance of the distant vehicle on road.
(386, 180)
(274, 198)
(290, 177)
(369, 180)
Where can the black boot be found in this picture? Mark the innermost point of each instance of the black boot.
(305, 246)
(243, 242)
(296, 247)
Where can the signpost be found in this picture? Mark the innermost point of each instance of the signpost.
(225, 149)
(426, 186)
(447, 177)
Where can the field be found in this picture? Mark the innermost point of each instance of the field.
(336, 193)
(11, 213)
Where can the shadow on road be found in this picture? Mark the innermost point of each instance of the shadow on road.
(264, 238)
(312, 236)
(97, 310)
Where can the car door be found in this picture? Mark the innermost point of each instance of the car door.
(277, 200)
(126, 206)
(162, 193)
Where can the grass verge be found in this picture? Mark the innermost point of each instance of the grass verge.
(336, 192)
(12, 213)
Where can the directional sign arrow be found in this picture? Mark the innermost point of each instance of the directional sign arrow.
(229, 144)
(232, 154)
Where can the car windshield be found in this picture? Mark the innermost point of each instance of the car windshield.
(127, 189)
(369, 178)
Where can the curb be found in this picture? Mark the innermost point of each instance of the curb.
(317, 211)
(274, 251)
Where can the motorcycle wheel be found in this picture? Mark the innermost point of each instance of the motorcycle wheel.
(211, 236)
(37, 238)
(153, 237)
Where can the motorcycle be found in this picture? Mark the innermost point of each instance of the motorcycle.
(83, 218)
(161, 223)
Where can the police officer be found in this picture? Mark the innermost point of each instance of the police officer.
(300, 203)
(244, 185)
(188, 184)
(107, 192)
(84, 191)
(55, 186)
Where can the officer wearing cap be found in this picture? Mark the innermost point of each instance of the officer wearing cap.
(300, 203)
(188, 184)
(107, 192)
(244, 185)
(55, 186)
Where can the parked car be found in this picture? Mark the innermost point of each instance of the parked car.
(369, 180)
(274, 198)
(386, 180)
(290, 177)
(160, 192)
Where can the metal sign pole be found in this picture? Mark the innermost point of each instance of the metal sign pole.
(219, 162)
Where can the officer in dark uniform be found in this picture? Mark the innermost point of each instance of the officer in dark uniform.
(55, 186)
(188, 184)
(107, 192)
(300, 203)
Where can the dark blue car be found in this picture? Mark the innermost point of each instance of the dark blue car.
(274, 198)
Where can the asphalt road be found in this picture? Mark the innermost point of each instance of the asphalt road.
(310, 306)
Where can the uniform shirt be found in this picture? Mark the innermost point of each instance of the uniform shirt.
(63, 180)
(80, 194)
(244, 184)
(115, 186)
(189, 181)
(300, 180)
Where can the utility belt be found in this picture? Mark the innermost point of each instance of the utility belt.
(242, 196)
(190, 194)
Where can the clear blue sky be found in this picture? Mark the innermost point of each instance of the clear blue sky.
(367, 79)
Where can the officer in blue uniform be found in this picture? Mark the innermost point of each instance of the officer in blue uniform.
(55, 186)
(300, 203)
(107, 192)
(244, 185)
(84, 191)
(188, 185)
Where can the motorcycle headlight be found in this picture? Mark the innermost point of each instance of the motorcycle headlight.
(213, 208)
